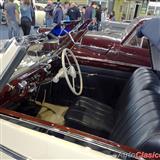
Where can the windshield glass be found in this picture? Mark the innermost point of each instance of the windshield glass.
(130, 27)
(114, 32)
(8, 51)
(17, 55)
(33, 57)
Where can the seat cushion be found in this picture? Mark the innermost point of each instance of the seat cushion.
(91, 116)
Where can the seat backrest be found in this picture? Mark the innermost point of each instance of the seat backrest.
(141, 79)
(139, 123)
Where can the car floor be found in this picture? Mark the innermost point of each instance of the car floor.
(52, 113)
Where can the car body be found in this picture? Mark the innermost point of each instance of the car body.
(28, 86)
(120, 47)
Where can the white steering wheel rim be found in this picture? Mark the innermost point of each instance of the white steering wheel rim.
(72, 88)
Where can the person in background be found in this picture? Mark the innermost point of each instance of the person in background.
(33, 14)
(49, 13)
(11, 13)
(123, 17)
(32, 31)
(98, 16)
(26, 16)
(66, 6)
(1, 7)
(58, 14)
(104, 14)
(90, 13)
(83, 10)
(112, 16)
(73, 12)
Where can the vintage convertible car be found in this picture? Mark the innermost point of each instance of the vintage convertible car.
(98, 114)
(114, 48)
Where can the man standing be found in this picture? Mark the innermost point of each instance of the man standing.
(1, 7)
(58, 14)
(49, 13)
(90, 13)
(98, 16)
(73, 12)
(11, 14)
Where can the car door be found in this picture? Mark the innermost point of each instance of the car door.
(134, 51)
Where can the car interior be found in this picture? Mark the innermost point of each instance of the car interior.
(138, 42)
(114, 104)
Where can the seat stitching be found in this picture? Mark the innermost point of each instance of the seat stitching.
(133, 114)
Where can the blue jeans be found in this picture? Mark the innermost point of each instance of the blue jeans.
(49, 22)
(13, 29)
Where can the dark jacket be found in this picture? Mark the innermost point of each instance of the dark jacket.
(89, 13)
(58, 15)
(74, 13)
(98, 15)
(49, 10)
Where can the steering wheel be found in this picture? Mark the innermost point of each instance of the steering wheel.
(71, 71)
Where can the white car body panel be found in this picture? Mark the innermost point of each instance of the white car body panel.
(36, 145)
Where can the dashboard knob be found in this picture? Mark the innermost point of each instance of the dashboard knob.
(32, 87)
(22, 84)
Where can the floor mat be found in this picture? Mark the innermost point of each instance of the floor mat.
(52, 113)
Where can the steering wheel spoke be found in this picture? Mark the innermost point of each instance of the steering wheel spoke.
(68, 60)
(71, 71)
(73, 82)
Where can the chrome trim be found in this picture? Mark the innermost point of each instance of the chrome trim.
(109, 61)
(104, 36)
(12, 153)
(93, 47)
(79, 139)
